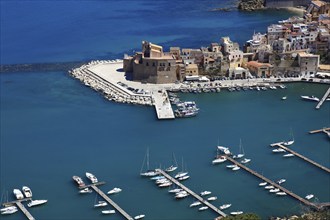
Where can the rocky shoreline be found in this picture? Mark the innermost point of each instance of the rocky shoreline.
(251, 5)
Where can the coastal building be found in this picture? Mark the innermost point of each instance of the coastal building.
(232, 52)
(308, 63)
(315, 9)
(151, 65)
(239, 73)
(276, 31)
(260, 69)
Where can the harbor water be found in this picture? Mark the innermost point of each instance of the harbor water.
(54, 127)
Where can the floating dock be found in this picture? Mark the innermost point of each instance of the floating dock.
(306, 202)
(201, 199)
(19, 204)
(319, 130)
(326, 95)
(301, 156)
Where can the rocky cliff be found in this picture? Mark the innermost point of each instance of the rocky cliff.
(251, 5)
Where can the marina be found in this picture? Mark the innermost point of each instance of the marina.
(197, 197)
(278, 186)
(19, 204)
(105, 197)
(300, 156)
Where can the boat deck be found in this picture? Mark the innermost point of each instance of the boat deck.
(301, 156)
(326, 95)
(201, 199)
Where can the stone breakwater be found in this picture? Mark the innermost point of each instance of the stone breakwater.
(112, 92)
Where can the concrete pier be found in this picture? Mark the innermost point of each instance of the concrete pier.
(162, 105)
(326, 95)
(301, 156)
(201, 199)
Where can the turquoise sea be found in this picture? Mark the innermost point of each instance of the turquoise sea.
(53, 127)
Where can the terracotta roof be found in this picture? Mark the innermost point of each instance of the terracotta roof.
(257, 64)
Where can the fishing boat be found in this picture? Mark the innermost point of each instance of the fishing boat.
(288, 155)
(212, 198)
(278, 150)
(91, 177)
(79, 181)
(114, 190)
(236, 213)
(204, 193)
(27, 191)
(263, 184)
(9, 210)
(309, 196)
(197, 203)
(281, 181)
(245, 160)
(110, 211)
(274, 190)
(139, 217)
(36, 202)
(100, 204)
(224, 206)
(148, 173)
(18, 194)
(86, 190)
(281, 193)
(203, 208)
(288, 143)
(310, 98)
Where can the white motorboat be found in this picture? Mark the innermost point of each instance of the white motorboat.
(225, 150)
(203, 208)
(284, 97)
(212, 198)
(231, 166)
(184, 178)
(197, 203)
(9, 210)
(101, 204)
(310, 98)
(245, 160)
(281, 181)
(309, 196)
(278, 150)
(237, 213)
(161, 181)
(36, 202)
(204, 193)
(236, 168)
(18, 194)
(91, 177)
(180, 174)
(111, 211)
(79, 181)
(27, 191)
(224, 206)
(281, 193)
(139, 217)
(288, 155)
(269, 187)
(263, 184)
(274, 190)
(86, 190)
(114, 190)
(157, 177)
(165, 184)
(221, 159)
(181, 195)
(175, 190)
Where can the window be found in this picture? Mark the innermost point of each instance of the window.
(169, 64)
(153, 63)
(147, 64)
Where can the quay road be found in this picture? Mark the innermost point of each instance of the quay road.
(301, 156)
(201, 199)
(306, 202)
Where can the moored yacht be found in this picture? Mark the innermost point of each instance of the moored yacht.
(225, 150)
(309, 196)
(288, 155)
(86, 190)
(212, 198)
(27, 191)
(91, 177)
(231, 166)
(101, 204)
(220, 159)
(180, 174)
(197, 203)
(9, 210)
(224, 206)
(139, 217)
(18, 194)
(175, 190)
(171, 168)
(36, 202)
(274, 190)
(278, 150)
(263, 184)
(269, 187)
(245, 160)
(311, 98)
(281, 181)
(203, 208)
(204, 193)
(236, 213)
(281, 193)
(236, 168)
(183, 178)
(114, 190)
(111, 211)
(78, 180)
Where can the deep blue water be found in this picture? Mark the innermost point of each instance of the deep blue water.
(53, 127)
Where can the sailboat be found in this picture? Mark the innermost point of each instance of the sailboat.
(149, 172)
(172, 167)
(288, 143)
(181, 173)
(241, 150)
